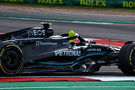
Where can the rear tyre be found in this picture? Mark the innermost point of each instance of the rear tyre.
(11, 59)
(127, 59)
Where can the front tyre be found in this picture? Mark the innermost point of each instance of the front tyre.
(127, 59)
(11, 59)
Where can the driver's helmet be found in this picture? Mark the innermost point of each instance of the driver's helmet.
(71, 33)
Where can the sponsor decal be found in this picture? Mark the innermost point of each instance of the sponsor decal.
(67, 53)
(36, 32)
(128, 4)
(66, 43)
(39, 43)
(94, 50)
(50, 2)
(98, 3)
(16, 1)
(13, 38)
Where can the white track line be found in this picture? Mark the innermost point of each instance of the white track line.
(113, 78)
(81, 22)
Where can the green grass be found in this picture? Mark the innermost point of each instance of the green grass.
(68, 85)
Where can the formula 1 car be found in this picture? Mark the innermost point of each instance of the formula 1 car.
(36, 46)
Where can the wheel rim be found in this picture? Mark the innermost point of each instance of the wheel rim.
(11, 61)
(132, 58)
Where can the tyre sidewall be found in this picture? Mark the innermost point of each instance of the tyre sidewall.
(17, 62)
(125, 59)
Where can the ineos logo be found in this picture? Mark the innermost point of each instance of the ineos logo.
(36, 33)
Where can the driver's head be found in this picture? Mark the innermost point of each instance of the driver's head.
(71, 33)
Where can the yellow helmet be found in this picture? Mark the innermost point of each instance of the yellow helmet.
(71, 33)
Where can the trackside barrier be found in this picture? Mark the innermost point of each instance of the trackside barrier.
(80, 3)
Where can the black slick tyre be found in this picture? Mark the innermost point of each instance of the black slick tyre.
(11, 59)
(127, 59)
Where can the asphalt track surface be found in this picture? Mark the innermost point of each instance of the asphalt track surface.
(97, 25)
(123, 32)
(111, 31)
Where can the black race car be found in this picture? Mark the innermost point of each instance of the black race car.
(36, 47)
